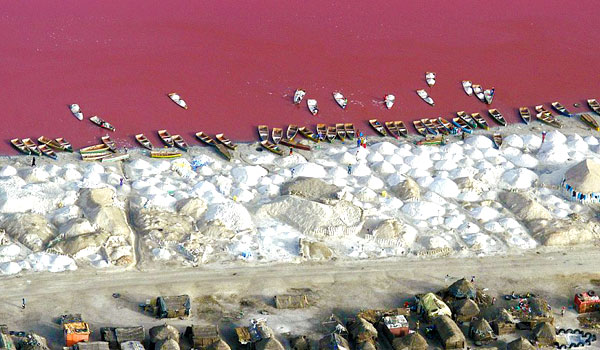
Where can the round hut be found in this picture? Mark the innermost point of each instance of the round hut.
(544, 333)
(520, 344)
(462, 289)
(465, 310)
(413, 341)
(582, 182)
(481, 331)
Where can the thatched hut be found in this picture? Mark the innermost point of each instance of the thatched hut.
(163, 332)
(413, 341)
(432, 306)
(535, 311)
(450, 335)
(333, 341)
(520, 344)
(269, 344)
(366, 345)
(361, 330)
(582, 182)
(481, 331)
(173, 306)
(167, 344)
(202, 337)
(300, 343)
(287, 301)
(92, 345)
(544, 333)
(504, 323)
(462, 289)
(117, 335)
(464, 310)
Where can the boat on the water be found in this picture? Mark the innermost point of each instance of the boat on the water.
(468, 87)
(66, 145)
(99, 148)
(392, 128)
(18, 143)
(312, 106)
(143, 140)
(47, 151)
(277, 135)
(32, 146)
(478, 91)
(542, 109)
(166, 138)
(378, 127)
(205, 138)
(115, 157)
(50, 143)
(481, 122)
(271, 147)
(331, 133)
(462, 125)
(452, 128)
(308, 134)
(340, 99)
(429, 126)
(290, 143)
(549, 119)
(263, 132)
(101, 123)
(350, 131)
(488, 95)
(291, 132)
(109, 142)
(178, 100)
(165, 154)
(430, 78)
(525, 114)
(321, 131)
(439, 127)
(420, 127)
(561, 109)
(76, 110)
(91, 157)
(340, 131)
(225, 141)
(425, 97)
(467, 119)
(497, 116)
(497, 138)
(594, 105)
(298, 96)
(389, 100)
(402, 131)
(180, 142)
(589, 120)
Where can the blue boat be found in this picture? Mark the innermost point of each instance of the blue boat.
(462, 125)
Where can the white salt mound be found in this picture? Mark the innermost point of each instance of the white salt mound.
(384, 148)
(422, 210)
(248, 175)
(519, 178)
(444, 187)
(513, 141)
(531, 142)
(309, 170)
(479, 141)
(7, 170)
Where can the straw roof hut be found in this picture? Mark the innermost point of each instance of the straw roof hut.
(361, 330)
(544, 333)
(163, 332)
(202, 336)
(540, 308)
(584, 177)
(432, 306)
(520, 344)
(365, 345)
(288, 301)
(92, 345)
(300, 343)
(333, 341)
(220, 345)
(116, 335)
(465, 310)
(269, 344)
(450, 335)
(462, 289)
(167, 344)
(481, 331)
(413, 341)
(504, 323)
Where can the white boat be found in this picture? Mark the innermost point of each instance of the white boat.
(298, 96)
(478, 91)
(430, 78)
(340, 99)
(468, 87)
(389, 100)
(423, 94)
(488, 95)
(312, 106)
(177, 99)
(115, 157)
(76, 110)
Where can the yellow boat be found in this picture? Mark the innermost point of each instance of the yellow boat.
(165, 154)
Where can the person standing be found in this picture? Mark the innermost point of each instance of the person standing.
(562, 311)
(33, 161)
(543, 136)
(291, 151)
(23, 304)
(121, 182)
(349, 169)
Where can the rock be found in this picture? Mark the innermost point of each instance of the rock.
(311, 189)
(193, 207)
(315, 250)
(408, 190)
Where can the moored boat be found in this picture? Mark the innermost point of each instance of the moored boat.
(165, 154)
(340, 131)
(425, 97)
(389, 100)
(402, 131)
(350, 131)
(263, 132)
(143, 140)
(293, 144)
(205, 138)
(439, 127)
(378, 127)
(308, 134)
(110, 143)
(225, 141)
(392, 128)
(497, 138)
(340, 99)
(291, 132)
(271, 147)
(561, 109)
(277, 135)
(420, 127)
(481, 122)
(115, 157)
(50, 143)
(331, 133)
(223, 150)
(18, 143)
(525, 114)
(467, 119)
(101, 123)
(468, 87)
(589, 120)
(178, 100)
(180, 142)
(594, 105)
(66, 145)
(497, 116)
(76, 110)
(32, 146)
(432, 140)
(452, 128)
(430, 78)
(462, 125)
(429, 126)
(549, 119)
(321, 131)
(542, 109)
(90, 157)
(298, 96)
(312, 106)
(100, 148)
(47, 151)
(166, 138)
(489, 95)
(478, 91)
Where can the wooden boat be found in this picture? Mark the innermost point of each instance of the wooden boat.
(47, 151)
(378, 127)
(497, 116)
(467, 119)
(392, 128)
(115, 157)
(293, 144)
(402, 131)
(66, 145)
(206, 139)
(525, 114)
(389, 100)
(430, 78)
(110, 143)
(331, 133)
(594, 105)
(225, 141)
(448, 125)
(488, 95)
(180, 142)
(542, 109)
(298, 96)
(143, 140)
(429, 127)
(166, 138)
(425, 97)
(321, 131)
(308, 134)
(340, 131)
(178, 100)
(561, 109)
(271, 147)
(90, 157)
(497, 138)
(291, 132)
(478, 91)
(100, 148)
(589, 120)
(350, 131)
(439, 127)
(50, 143)
(277, 135)
(420, 127)
(312, 106)
(20, 146)
(165, 154)
(76, 110)
(340, 99)
(549, 119)
(432, 140)
(101, 123)
(223, 150)
(32, 146)
(480, 121)
(468, 87)
(263, 132)
(462, 125)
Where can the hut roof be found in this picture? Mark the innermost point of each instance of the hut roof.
(412, 341)
(300, 343)
(539, 307)
(167, 344)
(365, 345)
(520, 344)
(466, 307)
(481, 329)
(544, 333)
(269, 344)
(163, 332)
(462, 289)
(220, 345)
(333, 341)
(93, 345)
(505, 316)
(362, 330)
(116, 335)
(584, 176)
(448, 330)
(434, 306)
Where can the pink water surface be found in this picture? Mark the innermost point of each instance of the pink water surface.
(237, 63)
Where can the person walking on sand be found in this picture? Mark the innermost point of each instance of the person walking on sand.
(358, 142)
(291, 151)
(23, 304)
(349, 169)
(543, 136)
(562, 311)
(293, 171)
(33, 161)
(472, 279)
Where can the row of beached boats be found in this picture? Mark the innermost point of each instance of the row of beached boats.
(45, 146)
